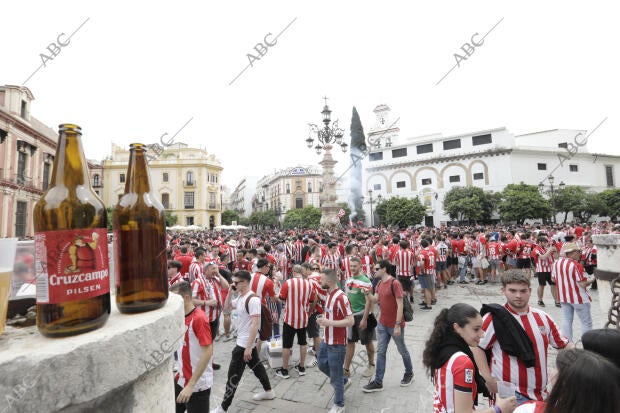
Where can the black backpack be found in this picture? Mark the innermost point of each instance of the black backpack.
(407, 308)
(266, 321)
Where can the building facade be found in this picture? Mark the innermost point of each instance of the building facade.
(241, 198)
(428, 166)
(27, 150)
(288, 188)
(187, 180)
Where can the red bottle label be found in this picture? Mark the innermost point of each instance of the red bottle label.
(71, 265)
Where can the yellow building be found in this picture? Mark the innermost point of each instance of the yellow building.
(186, 179)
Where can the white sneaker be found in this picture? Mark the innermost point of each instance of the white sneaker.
(336, 409)
(266, 395)
(369, 371)
(218, 409)
(310, 350)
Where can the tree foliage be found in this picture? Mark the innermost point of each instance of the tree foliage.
(308, 217)
(401, 212)
(568, 199)
(263, 218)
(611, 200)
(521, 202)
(171, 219)
(470, 203)
(592, 204)
(229, 216)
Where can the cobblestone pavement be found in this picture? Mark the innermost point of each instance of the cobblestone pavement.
(313, 393)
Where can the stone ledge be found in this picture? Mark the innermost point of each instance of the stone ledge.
(45, 374)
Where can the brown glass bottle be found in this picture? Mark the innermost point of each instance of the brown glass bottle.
(71, 248)
(139, 223)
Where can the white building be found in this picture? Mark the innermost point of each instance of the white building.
(429, 166)
(241, 197)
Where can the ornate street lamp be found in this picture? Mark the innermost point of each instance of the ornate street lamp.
(326, 137)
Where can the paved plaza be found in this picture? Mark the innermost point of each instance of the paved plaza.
(313, 392)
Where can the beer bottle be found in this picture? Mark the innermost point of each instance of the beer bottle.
(139, 223)
(71, 246)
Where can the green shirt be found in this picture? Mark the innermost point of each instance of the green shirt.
(356, 287)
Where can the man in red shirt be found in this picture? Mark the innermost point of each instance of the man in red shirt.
(389, 294)
(262, 285)
(186, 260)
(338, 316)
(571, 282)
(296, 293)
(542, 331)
(241, 264)
(194, 378)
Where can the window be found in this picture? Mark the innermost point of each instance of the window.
(376, 187)
(573, 168)
(609, 175)
(165, 200)
(164, 177)
(376, 156)
(299, 203)
(455, 178)
(400, 184)
(309, 186)
(3, 134)
(298, 184)
(563, 145)
(21, 218)
(542, 166)
(188, 200)
(121, 178)
(288, 188)
(424, 148)
(481, 139)
(189, 221)
(451, 144)
(478, 176)
(190, 178)
(96, 180)
(23, 111)
(211, 200)
(21, 167)
(46, 175)
(399, 153)
(427, 181)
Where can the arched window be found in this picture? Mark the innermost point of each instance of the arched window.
(96, 180)
(190, 178)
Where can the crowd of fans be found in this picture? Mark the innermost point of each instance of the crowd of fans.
(307, 280)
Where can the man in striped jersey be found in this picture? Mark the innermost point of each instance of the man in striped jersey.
(331, 260)
(543, 257)
(331, 355)
(531, 382)
(195, 268)
(571, 282)
(404, 260)
(194, 378)
(296, 293)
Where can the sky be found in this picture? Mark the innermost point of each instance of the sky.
(135, 70)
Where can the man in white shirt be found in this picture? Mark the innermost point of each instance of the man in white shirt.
(248, 308)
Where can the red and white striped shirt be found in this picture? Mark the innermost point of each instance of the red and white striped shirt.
(336, 308)
(567, 273)
(262, 286)
(297, 292)
(318, 291)
(494, 251)
(404, 261)
(427, 258)
(177, 278)
(298, 246)
(195, 270)
(542, 265)
(197, 334)
(456, 374)
(331, 261)
(214, 292)
(367, 265)
(345, 265)
(542, 331)
(442, 251)
(199, 291)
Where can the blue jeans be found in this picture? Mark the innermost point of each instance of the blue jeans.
(331, 361)
(383, 339)
(521, 398)
(568, 313)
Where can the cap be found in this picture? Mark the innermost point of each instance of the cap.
(570, 247)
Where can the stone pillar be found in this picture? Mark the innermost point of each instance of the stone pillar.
(607, 274)
(124, 366)
(329, 207)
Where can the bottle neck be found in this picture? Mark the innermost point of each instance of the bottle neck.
(138, 180)
(70, 169)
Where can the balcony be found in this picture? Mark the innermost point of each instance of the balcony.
(189, 183)
(19, 182)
